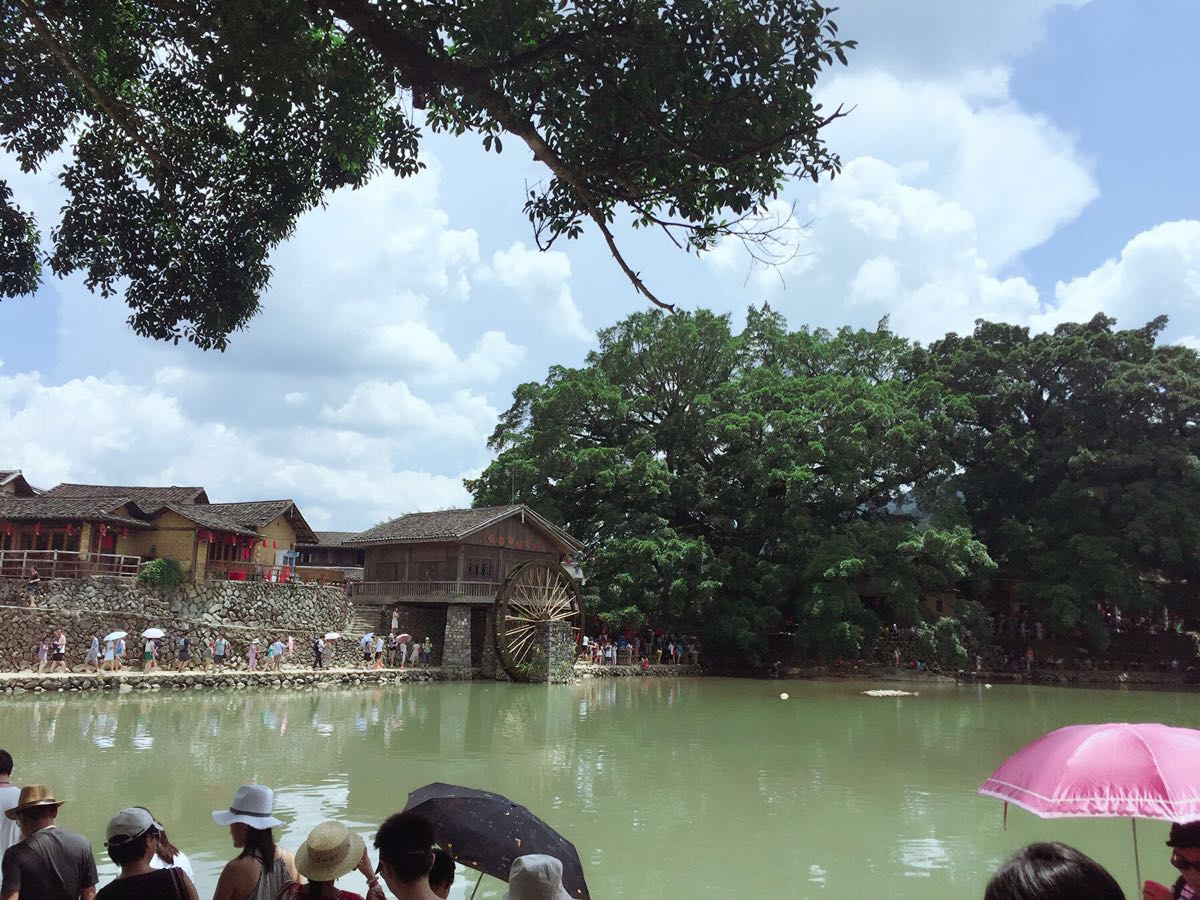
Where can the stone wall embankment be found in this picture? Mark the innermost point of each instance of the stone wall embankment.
(238, 611)
(291, 679)
(588, 670)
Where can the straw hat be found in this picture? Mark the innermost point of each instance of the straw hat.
(33, 796)
(252, 805)
(329, 852)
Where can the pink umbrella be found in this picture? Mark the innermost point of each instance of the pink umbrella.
(1139, 771)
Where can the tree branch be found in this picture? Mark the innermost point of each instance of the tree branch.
(423, 69)
(110, 106)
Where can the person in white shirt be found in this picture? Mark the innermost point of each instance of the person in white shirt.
(168, 856)
(10, 795)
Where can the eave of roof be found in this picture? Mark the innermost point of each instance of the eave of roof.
(70, 509)
(386, 533)
(206, 518)
(260, 513)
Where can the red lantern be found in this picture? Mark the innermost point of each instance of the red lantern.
(264, 542)
(275, 545)
(37, 528)
(103, 530)
(124, 532)
(8, 528)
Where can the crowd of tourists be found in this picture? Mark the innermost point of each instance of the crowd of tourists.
(124, 653)
(651, 647)
(44, 861)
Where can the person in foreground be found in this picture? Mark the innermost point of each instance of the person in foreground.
(537, 877)
(1052, 872)
(10, 796)
(132, 839)
(330, 851)
(1185, 856)
(50, 862)
(441, 876)
(405, 845)
(261, 870)
(168, 856)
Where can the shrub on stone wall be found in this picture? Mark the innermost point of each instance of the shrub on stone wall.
(162, 572)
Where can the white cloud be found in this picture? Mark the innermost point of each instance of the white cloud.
(1018, 176)
(391, 407)
(543, 281)
(1158, 272)
(946, 183)
(108, 430)
(941, 38)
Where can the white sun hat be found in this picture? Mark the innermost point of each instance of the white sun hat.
(536, 877)
(252, 805)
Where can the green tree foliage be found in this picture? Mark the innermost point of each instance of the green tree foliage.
(197, 133)
(729, 482)
(20, 265)
(1078, 464)
(162, 572)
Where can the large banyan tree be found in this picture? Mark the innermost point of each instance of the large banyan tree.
(196, 133)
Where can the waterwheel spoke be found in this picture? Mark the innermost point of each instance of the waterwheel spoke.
(538, 593)
(520, 648)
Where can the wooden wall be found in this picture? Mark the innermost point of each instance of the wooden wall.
(485, 556)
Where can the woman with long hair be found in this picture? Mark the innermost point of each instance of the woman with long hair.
(132, 840)
(330, 851)
(262, 869)
(166, 854)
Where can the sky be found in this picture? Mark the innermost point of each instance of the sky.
(1028, 161)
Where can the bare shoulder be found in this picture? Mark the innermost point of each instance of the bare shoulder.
(289, 860)
(238, 878)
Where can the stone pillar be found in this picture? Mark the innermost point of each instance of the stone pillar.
(490, 666)
(456, 648)
(553, 653)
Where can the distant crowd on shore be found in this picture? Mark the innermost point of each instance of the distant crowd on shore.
(113, 653)
(43, 861)
(651, 647)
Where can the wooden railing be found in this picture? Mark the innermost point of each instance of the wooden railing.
(329, 574)
(66, 564)
(428, 591)
(231, 570)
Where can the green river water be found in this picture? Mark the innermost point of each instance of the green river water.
(689, 788)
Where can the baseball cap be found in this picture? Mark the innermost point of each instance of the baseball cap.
(127, 825)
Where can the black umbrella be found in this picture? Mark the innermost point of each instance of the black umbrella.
(487, 832)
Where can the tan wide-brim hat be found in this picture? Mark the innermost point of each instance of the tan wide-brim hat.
(32, 797)
(330, 851)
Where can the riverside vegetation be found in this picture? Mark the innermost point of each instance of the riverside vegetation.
(735, 484)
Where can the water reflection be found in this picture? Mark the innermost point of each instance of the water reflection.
(668, 788)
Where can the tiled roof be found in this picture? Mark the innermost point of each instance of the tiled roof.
(146, 496)
(260, 513)
(203, 516)
(84, 509)
(330, 538)
(453, 524)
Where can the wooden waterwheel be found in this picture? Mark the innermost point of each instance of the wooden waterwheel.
(532, 593)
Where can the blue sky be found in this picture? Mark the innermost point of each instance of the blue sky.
(1030, 161)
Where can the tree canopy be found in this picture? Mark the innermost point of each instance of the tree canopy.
(732, 483)
(1079, 466)
(197, 133)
